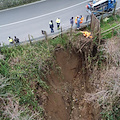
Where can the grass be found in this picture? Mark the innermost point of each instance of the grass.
(4, 4)
(112, 115)
(111, 109)
(59, 40)
(4, 67)
(111, 22)
(27, 65)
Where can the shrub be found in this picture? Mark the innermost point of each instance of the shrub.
(12, 3)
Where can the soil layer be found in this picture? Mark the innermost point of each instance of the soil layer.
(65, 101)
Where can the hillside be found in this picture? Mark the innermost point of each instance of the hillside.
(62, 78)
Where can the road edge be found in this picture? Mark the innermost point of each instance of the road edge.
(22, 5)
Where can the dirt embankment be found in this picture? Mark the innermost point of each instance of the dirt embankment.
(65, 101)
(76, 84)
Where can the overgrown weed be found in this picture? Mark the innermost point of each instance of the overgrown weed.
(26, 65)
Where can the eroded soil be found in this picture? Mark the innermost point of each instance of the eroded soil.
(65, 100)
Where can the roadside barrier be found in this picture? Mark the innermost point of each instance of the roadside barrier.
(86, 22)
(51, 35)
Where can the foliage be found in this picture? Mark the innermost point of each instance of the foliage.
(112, 115)
(10, 107)
(111, 22)
(78, 33)
(100, 58)
(12, 3)
(25, 66)
(59, 40)
(4, 67)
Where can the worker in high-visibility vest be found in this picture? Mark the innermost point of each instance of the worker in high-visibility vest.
(10, 40)
(58, 23)
(78, 23)
(81, 20)
(76, 19)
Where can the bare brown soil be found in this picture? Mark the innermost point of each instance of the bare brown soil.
(65, 101)
(75, 86)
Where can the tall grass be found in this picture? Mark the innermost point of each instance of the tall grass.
(12, 3)
(111, 22)
(26, 65)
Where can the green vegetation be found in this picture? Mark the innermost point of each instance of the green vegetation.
(25, 66)
(112, 115)
(111, 101)
(62, 41)
(111, 22)
(4, 4)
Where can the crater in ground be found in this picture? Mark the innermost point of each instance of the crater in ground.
(68, 85)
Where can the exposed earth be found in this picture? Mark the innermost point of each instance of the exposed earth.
(72, 80)
(69, 82)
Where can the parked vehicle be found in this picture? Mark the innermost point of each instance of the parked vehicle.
(98, 6)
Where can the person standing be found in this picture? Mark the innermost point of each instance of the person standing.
(78, 23)
(16, 39)
(51, 26)
(76, 19)
(71, 21)
(81, 19)
(58, 23)
(10, 40)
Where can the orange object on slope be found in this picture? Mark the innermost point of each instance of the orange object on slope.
(87, 34)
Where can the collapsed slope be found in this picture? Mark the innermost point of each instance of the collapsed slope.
(76, 84)
(80, 90)
(69, 82)
(67, 90)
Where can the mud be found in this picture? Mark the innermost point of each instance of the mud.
(68, 85)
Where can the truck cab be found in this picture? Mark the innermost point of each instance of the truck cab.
(97, 6)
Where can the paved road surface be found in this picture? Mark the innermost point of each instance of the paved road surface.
(33, 18)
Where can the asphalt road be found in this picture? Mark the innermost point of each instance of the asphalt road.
(31, 19)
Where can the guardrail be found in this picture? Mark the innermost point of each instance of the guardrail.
(111, 30)
(51, 35)
(64, 30)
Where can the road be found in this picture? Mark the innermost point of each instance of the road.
(32, 18)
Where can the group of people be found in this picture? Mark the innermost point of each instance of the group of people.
(11, 40)
(52, 25)
(78, 21)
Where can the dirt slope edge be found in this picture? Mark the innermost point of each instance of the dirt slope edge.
(67, 89)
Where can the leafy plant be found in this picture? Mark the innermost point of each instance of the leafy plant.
(12, 3)
(26, 65)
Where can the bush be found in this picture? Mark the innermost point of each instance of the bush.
(12, 3)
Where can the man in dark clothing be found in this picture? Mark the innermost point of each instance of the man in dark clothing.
(51, 26)
(16, 39)
(71, 21)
